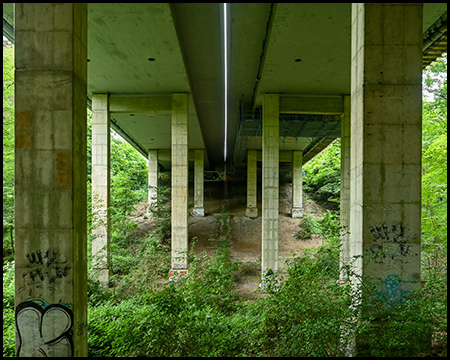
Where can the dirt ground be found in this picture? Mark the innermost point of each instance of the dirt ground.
(245, 233)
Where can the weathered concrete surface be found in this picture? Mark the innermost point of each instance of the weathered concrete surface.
(180, 190)
(152, 177)
(101, 154)
(345, 188)
(297, 186)
(199, 209)
(386, 135)
(252, 183)
(270, 179)
(50, 179)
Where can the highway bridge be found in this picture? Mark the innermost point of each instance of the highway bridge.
(213, 87)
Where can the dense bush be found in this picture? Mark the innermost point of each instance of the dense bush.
(306, 314)
(322, 174)
(8, 310)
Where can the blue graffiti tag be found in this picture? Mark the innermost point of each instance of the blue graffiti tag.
(393, 294)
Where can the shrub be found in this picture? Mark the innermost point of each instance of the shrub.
(308, 227)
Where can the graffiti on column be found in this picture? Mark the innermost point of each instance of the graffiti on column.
(391, 243)
(393, 294)
(48, 266)
(44, 329)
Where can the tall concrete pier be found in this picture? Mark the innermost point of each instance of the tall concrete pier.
(386, 135)
(50, 176)
(101, 154)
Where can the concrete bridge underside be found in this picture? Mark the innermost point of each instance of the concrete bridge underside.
(300, 76)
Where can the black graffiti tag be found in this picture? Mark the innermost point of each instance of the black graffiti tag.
(395, 234)
(44, 330)
(46, 265)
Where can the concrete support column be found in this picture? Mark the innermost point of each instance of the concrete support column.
(386, 137)
(199, 210)
(180, 193)
(101, 247)
(270, 182)
(252, 187)
(345, 188)
(152, 178)
(297, 185)
(50, 179)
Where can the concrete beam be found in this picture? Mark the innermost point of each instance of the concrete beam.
(166, 155)
(321, 105)
(284, 155)
(160, 104)
(50, 179)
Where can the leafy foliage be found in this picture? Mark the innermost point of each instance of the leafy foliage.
(434, 169)
(8, 147)
(322, 179)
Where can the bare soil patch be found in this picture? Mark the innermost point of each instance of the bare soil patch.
(245, 233)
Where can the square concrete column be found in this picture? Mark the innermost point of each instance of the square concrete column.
(270, 182)
(180, 169)
(199, 210)
(152, 178)
(252, 181)
(101, 154)
(345, 188)
(297, 184)
(386, 138)
(50, 179)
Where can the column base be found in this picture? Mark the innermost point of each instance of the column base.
(297, 213)
(198, 212)
(177, 275)
(103, 277)
(269, 282)
(251, 212)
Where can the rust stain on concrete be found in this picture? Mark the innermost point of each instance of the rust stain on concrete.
(63, 161)
(24, 129)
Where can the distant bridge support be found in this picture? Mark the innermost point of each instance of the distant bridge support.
(152, 178)
(252, 187)
(180, 181)
(297, 184)
(199, 209)
(270, 182)
(101, 154)
(345, 189)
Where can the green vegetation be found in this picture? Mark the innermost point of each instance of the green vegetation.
(322, 179)
(8, 152)
(306, 312)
